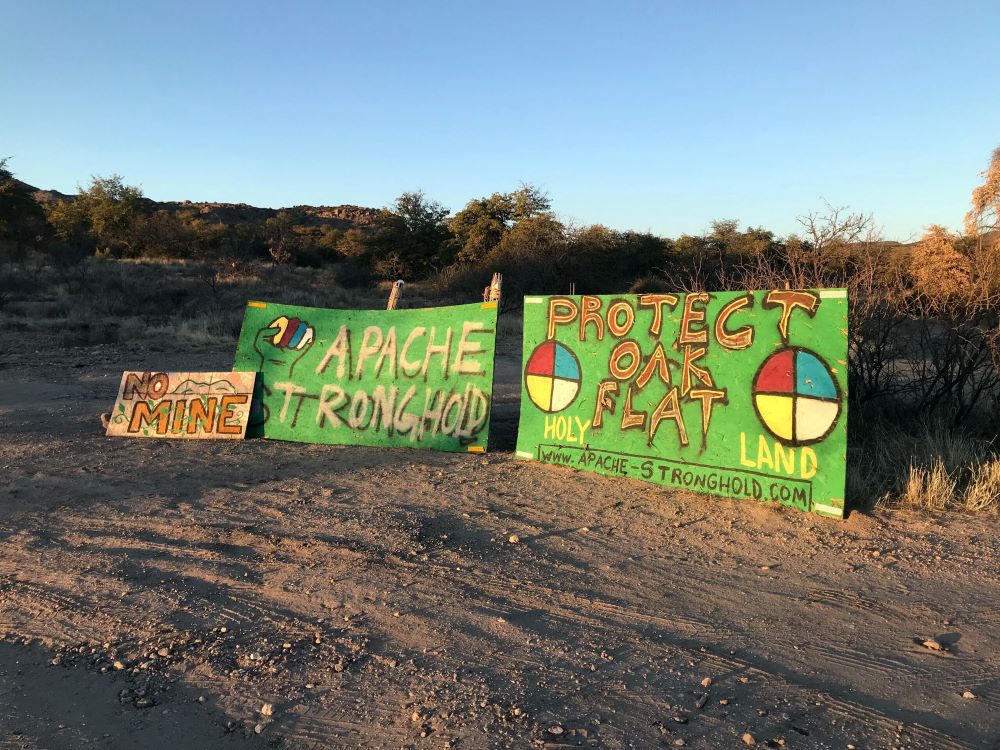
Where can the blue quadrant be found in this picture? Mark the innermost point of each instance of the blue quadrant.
(566, 364)
(812, 378)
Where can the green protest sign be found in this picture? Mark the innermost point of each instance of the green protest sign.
(740, 394)
(411, 378)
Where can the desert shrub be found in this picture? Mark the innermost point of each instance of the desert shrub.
(353, 274)
(922, 463)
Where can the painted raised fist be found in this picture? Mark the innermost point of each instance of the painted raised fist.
(284, 342)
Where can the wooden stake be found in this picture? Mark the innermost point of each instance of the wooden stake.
(492, 292)
(394, 295)
(572, 288)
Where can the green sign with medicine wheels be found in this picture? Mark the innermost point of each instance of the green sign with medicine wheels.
(739, 394)
(407, 378)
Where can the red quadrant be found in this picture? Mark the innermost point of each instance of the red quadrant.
(542, 361)
(776, 376)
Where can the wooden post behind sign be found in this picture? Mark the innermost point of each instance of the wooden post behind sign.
(572, 287)
(394, 295)
(492, 292)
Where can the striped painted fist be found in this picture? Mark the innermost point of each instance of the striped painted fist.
(284, 342)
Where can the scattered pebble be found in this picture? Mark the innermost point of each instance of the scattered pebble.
(513, 539)
(706, 682)
(969, 695)
(749, 740)
(267, 709)
(933, 645)
(556, 729)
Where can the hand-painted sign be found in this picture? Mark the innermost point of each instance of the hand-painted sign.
(412, 378)
(740, 394)
(191, 405)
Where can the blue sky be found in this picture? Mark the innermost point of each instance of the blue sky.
(653, 115)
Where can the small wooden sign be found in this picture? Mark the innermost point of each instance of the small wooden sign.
(188, 405)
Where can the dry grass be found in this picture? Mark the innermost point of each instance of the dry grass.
(982, 495)
(931, 467)
(107, 301)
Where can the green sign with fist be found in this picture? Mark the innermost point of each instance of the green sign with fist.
(408, 378)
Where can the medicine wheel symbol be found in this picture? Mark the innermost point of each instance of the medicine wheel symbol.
(796, 397)
(552, 377)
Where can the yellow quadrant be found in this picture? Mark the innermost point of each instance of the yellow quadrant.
(540, 391)
(776, 411)
(813, 418)
(563, 393)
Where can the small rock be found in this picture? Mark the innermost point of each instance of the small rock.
(706, 682)
(118, 665)
(749, 740)
(258, 729)
(513, 539)
(163, 652)
(679, 742)
(144, 702)
(267, 709)
(415, 717)
(680, 719)
(201, 698)
(969, 695)
(933, 645)
(556, 729)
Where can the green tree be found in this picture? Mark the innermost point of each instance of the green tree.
(283, 242)
(481, 225)
(21, 218)
(101, 216)
(409, 238)
(19, 211)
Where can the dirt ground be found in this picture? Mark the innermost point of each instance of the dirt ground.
(158, 594)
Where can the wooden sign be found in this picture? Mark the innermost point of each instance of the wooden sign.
(740, 394)
(395, 378)
(188, 405)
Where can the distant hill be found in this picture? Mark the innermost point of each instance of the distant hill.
(339, 217)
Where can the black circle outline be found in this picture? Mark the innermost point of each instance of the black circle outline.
(579, 381)
(836, 385)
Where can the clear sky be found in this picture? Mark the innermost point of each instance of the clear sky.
(641, 115)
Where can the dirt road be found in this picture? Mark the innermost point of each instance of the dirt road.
(160, 595)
